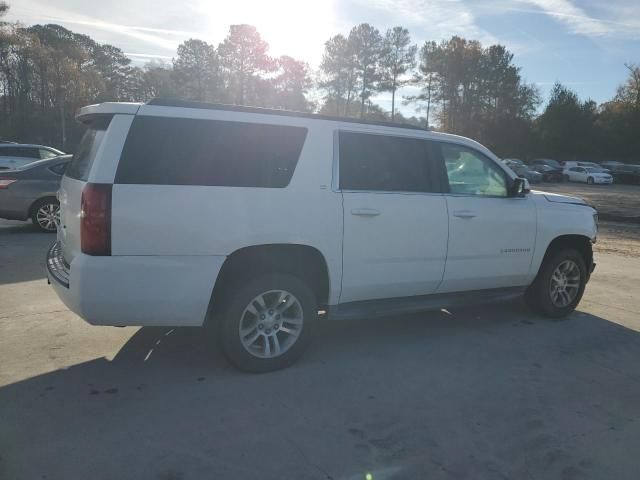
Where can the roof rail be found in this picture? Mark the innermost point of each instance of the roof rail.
(171, 102)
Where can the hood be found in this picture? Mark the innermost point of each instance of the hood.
(555, 198)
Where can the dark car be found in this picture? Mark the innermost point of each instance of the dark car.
(15, 155)
(546, 161)
(626, 174)
(30, 192)
(549, 173)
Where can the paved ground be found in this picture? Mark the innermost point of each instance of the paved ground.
(614, 202)
(476, 394)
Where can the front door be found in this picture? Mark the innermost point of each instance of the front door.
(491, 235)
(395, 225)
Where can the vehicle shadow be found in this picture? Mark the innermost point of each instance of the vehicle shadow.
(18, 242)
(486, 392)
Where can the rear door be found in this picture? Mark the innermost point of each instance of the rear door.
(491, 235)
(75, 178)
(395, 225)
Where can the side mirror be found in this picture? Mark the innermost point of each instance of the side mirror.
(519, 187)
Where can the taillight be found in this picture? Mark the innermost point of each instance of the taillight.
(95, 219)
(5, 182)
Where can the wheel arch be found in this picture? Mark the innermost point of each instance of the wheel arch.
(37, 201)
(303, 261)
(581, 243)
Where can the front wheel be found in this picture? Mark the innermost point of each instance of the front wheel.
(566, 178)
(590, 180)
(46, 215)
(267, 323)
(560, 283)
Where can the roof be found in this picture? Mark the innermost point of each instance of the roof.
(170, 102)
(30, 145)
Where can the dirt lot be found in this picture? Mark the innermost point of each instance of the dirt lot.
(613, 202)
(619, 238)
(477, 393)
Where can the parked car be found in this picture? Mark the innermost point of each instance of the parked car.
(513, 161)
(251, 220)
(626, 174)
(594, 166)
(611, 164)
(29, 192)
(546, 161)
(525, 172)
(13, 155)
(587, 175)
(549, 174)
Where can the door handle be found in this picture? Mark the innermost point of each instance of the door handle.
(464, 214)
(365, 212)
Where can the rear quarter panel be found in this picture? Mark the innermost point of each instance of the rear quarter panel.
(216, 221)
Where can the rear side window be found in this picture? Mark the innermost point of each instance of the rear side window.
(24, 152)
(182, 151)
(383, 163)
(44, 153)
(82, 160)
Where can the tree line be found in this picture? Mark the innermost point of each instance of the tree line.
(459, 86)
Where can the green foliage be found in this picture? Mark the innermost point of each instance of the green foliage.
(47, 72)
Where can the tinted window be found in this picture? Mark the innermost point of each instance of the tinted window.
(383, 163)
(44, 153)
(472, 173)
(26, 152)
(82, 160)
(181, 151)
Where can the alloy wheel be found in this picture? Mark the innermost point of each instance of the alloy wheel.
(271, 323)
(565, 283)
(48, 216)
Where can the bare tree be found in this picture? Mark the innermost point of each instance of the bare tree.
(399, 57)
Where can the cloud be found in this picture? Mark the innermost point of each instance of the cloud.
(431, 19)
(579, 21)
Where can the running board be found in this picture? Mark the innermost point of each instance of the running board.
(403, 305)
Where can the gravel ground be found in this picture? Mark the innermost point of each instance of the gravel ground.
(477, 393)
(613, 202)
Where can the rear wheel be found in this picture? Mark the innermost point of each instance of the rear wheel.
(590, 180)
(268, 322)
(566, 178)
(560, 283)
(45, 214)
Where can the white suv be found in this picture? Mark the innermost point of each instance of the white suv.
(251, 221)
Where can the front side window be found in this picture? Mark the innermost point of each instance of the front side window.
(472, 173)
(183, 151)
(383, 163)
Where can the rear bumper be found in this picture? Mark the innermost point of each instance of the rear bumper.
(135, 290)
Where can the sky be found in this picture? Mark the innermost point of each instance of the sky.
(580, 43)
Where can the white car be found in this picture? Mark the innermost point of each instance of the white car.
(251, 221)
(587, 175)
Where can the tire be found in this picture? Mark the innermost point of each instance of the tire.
(540, 296)
(285, 324)
(566, 178)
(45, 214)
(590, 180)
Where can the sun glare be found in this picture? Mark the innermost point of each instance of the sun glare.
(291, 27)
